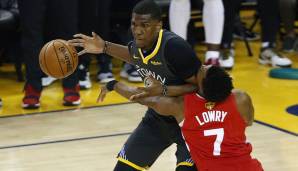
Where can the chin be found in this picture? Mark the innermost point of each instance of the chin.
(139, 45)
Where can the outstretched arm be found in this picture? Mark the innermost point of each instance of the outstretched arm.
(155, 88)
(164, 105)
(245, 106)
(97, 45)
(180, 90)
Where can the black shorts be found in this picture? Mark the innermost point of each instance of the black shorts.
(153, 135)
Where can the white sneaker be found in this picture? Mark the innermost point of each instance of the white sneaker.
(269, 57)
(46, 81)
(134, 77)
(85, 83)
(131, 75)
(124, 74)
(226, 59)
(105, 77)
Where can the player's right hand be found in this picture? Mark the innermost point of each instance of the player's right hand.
(94, 44)
(152, 88)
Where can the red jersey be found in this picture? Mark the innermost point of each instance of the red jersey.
(214, 132)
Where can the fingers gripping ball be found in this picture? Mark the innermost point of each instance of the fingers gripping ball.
(58, 59)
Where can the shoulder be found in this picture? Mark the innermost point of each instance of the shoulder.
(177, 46)
(243, 100)
(173, 39)
(240, 95)
(244, 106)
(177, 42)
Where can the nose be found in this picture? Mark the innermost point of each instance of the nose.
(137, 30)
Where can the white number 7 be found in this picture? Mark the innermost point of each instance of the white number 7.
(219, 137)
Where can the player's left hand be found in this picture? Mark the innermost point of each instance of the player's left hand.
(152, 88)
(102, 94)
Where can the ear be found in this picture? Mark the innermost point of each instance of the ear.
(159, 26)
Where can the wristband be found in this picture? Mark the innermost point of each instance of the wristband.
(110, 85)
(105, 48)
(164, 90)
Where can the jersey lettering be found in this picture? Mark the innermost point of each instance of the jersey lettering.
(146, 72)
(219, 137)
(211, 116)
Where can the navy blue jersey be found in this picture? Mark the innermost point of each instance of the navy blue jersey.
(170, 61)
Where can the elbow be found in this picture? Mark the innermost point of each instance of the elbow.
(151, 103)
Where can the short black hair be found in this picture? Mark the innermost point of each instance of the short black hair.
(148, 7)
(217, 84)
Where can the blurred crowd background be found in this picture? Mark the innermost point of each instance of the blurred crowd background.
(26, 25)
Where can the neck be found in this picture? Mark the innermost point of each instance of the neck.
(151, 44)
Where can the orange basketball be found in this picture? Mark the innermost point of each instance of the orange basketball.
(58, 59)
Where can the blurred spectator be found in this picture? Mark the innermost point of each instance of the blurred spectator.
(288, 16)
(95, 16)
(241, 30)
(269, 14)
(213, 20)
(268, 10)
(10, 5)
(231, 10)
(130, 73)
(10, 35)
(233, 26)
(179, 16)
(0, 102)
(41, 21)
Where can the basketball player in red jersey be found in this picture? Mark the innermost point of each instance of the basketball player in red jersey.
(212, 121)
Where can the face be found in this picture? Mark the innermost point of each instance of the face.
(145, 30)
(201, 75)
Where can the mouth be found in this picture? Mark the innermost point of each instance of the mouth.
(139, 39)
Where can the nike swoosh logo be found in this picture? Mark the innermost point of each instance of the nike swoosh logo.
(135, 57)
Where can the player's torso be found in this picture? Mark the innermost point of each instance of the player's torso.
(214, 131)
(155, 63)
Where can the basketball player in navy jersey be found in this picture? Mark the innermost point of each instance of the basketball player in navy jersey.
(213, 120)
(169, 59)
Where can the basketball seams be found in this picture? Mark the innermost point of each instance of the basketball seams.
(44, 59)
(72, 57)
(53, 58)
(58, 58)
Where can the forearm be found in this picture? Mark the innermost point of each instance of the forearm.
(180, 90)
(125, 90)
(159, 104)
(118, 51)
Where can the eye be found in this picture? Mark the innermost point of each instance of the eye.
(146, 25)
